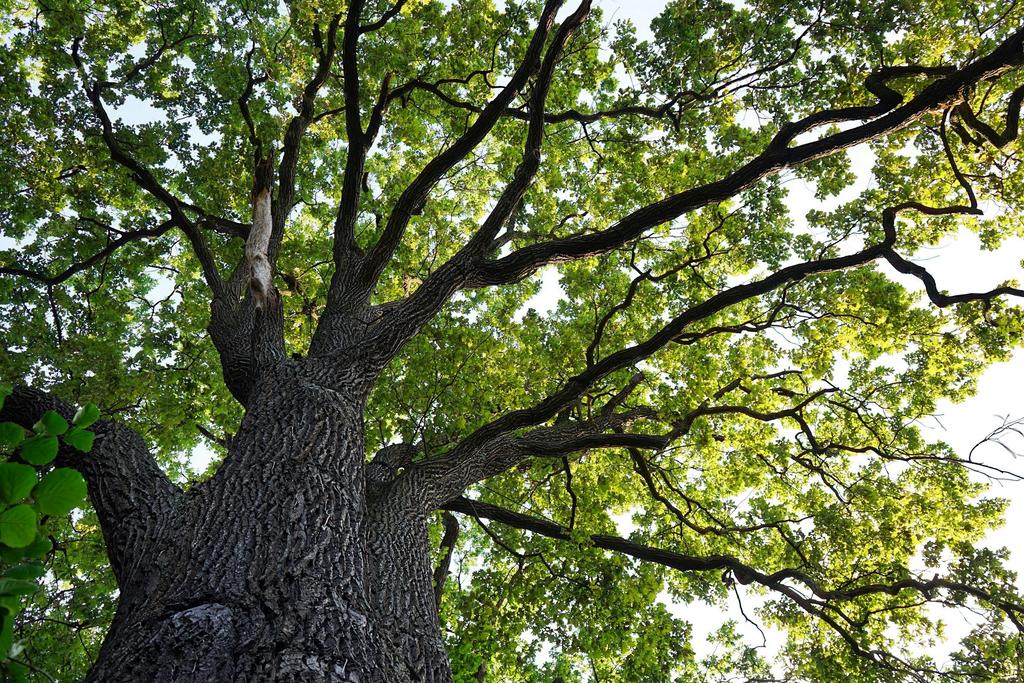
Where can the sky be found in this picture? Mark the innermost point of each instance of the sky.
(959, 265)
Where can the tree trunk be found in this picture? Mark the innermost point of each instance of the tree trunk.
(277, 569)
(401, 592)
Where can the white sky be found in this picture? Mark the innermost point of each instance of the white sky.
(959, 265)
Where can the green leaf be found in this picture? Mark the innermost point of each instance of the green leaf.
(86, 415)
(80, 439)
(9, 605)
(51, 423)
(60, 491)
(18, 526)
(5, 391)
(11, 435)
(17, 586)
(16, 481)
(25, 571)
(11, 555)
(6, 635)
(38, 548)
(40, 449)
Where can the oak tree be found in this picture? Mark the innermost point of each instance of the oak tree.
(308, 237)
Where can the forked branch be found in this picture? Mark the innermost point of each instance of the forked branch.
(490, 450)
(797, 585)
(890, 114)
(133, 498)
(417, 191)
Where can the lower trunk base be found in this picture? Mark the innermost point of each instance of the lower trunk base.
(204, 644)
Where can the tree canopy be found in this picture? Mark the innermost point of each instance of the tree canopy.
(724, 403)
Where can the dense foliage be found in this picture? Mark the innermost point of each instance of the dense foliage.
(782, 426)
(33, 492)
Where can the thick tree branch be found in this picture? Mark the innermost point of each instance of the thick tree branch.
(248, 339)
(145, 179)
(877, 84)
(448, 541)
(257, 244)
(224, 226)
(79, 266)
(386, 462)
(359, 142)
(402, 322)
(446, 476)
(417, 191)
(133, 498)
(938, 297)
(776, 156)
(252, 80)
(387, 16)
(247, 322)
(808, 593)
(286, 171)
(998, 140)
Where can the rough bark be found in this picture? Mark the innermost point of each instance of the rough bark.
(135, 502)
(401, 591)
(279, 568)
(297, 561)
